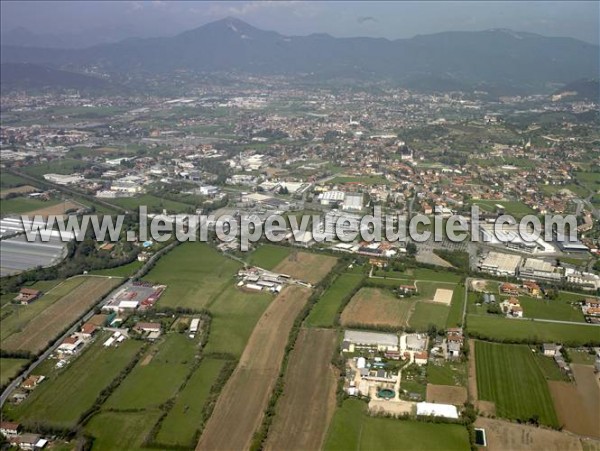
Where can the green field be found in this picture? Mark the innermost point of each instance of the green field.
(268, 256)
(427, 313)
(155, 204)
(509, 376)
(550, 369)
(447, 373)
(194, 273)
(121, 430)
(456, 307)
(352, 429)
(325, 310)
(183, 420)
(559, 309)
(127, 270)
(71, 391)
(514, 208)
(20, 205)
(9, 368)
(63, 166)
(8, 180)
(365, 180)
(17, 316)
(152, 383)
(500, 328)
(234, 315)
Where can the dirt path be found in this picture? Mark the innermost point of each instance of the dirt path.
(240, 408)
(308, 400)
(472, 376)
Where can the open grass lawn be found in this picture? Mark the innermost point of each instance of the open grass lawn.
(17, 316)
(60, 166)
(71, 391)
(268, 256)
(426, 313)
(9, 368)
(550, 309)
(514, 208)
(550, 369)
(365, 180)
(437, 275)
(582, 357)
(509, 376)
(352, 429)
(121, 430)
(183, 420)
(234, 315)
(456, 307)
(590, 180)
(20, 205)
(194, 273)
(447, 373)
(324, 312)
(500, 328)
(8, 180)
(120, 271)
(152, 383)
(155, 204)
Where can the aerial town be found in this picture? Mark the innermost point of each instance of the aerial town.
(321, 339)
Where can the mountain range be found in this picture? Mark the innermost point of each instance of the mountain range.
(516, 61)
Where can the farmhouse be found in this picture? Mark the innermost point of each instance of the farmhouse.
(356, 339)
(28, 441)
(88, 330)
(454, 341)
(509, 288)
(70, 345)
(147, 327)
(512, 308)
(27, 295)
(421, 358)
(32, 382)
(8, 428)
(550, 349)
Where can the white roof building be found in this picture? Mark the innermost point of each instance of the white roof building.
(437, 410)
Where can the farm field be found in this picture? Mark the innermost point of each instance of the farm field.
(23, 189)
(9, 368)
(268, 256)
(153, 382)
(120, 271)
(305, 408)
(234, 315)
(47, 324)
(503, 435)
(154, 204)
(447, 373)
(427, 313)
(254, 376)
(324, 312)
(446, 394)
(61, 166)
(352, 428)
(509, 376)
(58, 209)
(71, 391)
(492, 328)
(550, 369)
(121, 430)
(376, 307)
(571, 409)
(559, 309)
(23, 205)
(456, 307)
(514, 208)
(8, 180)
(194, 273)
(181, 424)
(306, 266)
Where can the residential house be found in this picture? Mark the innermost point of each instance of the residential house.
(550, 349)
(8, 428)
(88, 330)
(27, 295)
(70, 345)
(32, 382)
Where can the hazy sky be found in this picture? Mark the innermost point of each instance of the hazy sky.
(379, 19)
